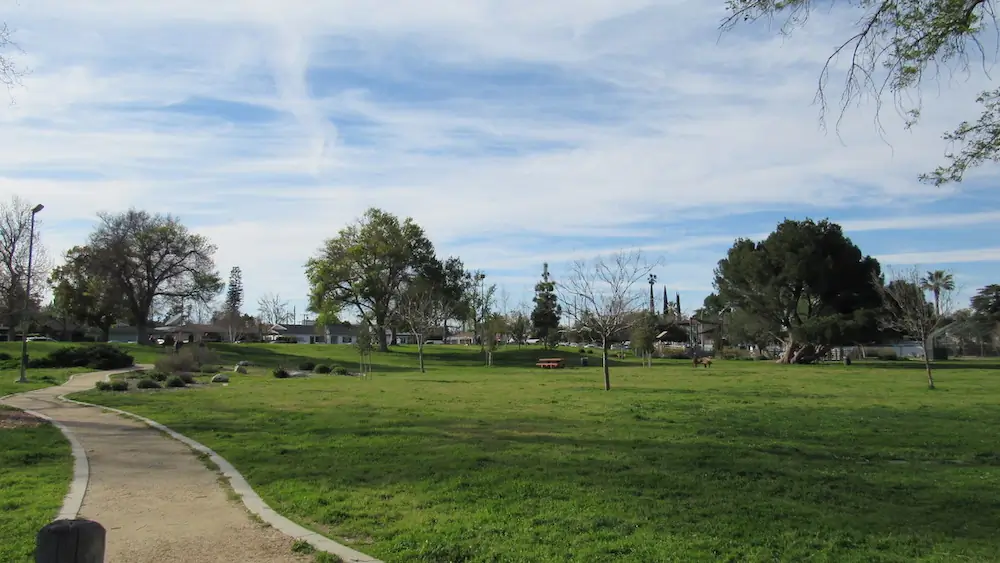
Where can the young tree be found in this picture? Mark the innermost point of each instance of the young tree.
(892, 46)
(493, 328)
(151, 258)
(367, 266)
(519, 326)
(482, 301)
(547, 314)
(602, 296)
(643, 338)
(808, 283)
(421, 308)
(365, 343)
(234, 301)
(272, 309)
(908, 311)
(85, 293)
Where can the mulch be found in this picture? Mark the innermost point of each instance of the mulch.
(11, 419)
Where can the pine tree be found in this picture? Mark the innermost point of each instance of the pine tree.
(234, 300)
(545, 318)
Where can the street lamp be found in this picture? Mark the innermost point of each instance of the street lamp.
(652, 301)
(27, 297)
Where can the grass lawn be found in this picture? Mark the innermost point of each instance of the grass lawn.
(35, 470)
(744, 461)
(38, 378)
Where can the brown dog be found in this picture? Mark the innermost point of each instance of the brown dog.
(706, 361)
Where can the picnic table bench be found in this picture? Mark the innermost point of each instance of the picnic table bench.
(551, 363)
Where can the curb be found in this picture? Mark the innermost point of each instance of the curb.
(73, 500)
(251, 500)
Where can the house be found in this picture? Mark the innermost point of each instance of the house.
(310, 333)
(466, 338)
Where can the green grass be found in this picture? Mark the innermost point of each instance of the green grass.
(35, 470)
(745, 461)
(38, 378)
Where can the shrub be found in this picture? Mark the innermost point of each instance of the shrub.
(590, 350)
(147, 384)
(581, 350)
(12, 364)
(175, 381)
(157, 376)
(95, 356)
(280, 373)
(4, 356)
(322, 368)
(210, 370)
(187, 378)
(119, 385)
(102, 386)
(174, 363)
(340, 370)
(307, 366)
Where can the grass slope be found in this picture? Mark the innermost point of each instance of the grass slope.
(745, 461)
(35, 470)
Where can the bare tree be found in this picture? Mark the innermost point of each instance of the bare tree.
(15, 244)
(10, 73)
(421, 309)
(908, 311)
(519, 324)
(273, 309)
(601, 297)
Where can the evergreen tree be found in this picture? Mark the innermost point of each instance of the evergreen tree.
(545, 318)
(234, 293)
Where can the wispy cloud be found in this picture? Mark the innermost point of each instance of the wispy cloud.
(515, 133)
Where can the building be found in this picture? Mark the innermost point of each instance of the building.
(310, 333)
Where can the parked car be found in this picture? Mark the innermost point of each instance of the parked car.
(40, 339)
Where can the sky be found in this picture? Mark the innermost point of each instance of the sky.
(515, 133)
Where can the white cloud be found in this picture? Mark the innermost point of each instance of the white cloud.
(641, 128)
(936, 258)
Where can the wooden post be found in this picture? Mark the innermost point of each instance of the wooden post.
(70, 541)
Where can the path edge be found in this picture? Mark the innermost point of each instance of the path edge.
(80, 481)
(251, 500)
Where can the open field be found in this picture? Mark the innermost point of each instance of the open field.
(35, 471)
(741, 462)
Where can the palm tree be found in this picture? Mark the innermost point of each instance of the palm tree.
(936, 282)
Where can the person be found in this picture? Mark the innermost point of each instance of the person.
(177, 346)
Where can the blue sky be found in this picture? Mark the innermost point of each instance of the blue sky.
(514, 132)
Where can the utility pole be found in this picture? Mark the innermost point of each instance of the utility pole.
(652, 301)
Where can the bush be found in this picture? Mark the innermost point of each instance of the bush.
(147, 384)
(102, 386)
(157, 376)
(322, 368)
(280, 373)
(12, 364)
(187, 378)
(4, 356)
(581, 350)
(307, 366)
(175, 381)
(590, 350)
(95, 356)
(119, 385)
(340, 370)
(210, 370)
(190, 358)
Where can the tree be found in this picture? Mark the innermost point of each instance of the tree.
(10, 73)
(482, 301)
(807, 283)
(493, 328)
(908, 311)
(936, 282)
(421, 308)
(15, 243)
(986, 304)
(643, 336)
(234, 301)
(602, 296)
(365, 343)
(272, 309)
(86, 293)
(367, 266)
(519, 326)
(151, 258)
(892, 47)
(547, 313)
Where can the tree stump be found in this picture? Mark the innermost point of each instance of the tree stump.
(70, 541)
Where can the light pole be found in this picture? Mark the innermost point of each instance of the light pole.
(27, 297)
(652, 302)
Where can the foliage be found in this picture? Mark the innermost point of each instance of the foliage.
(340, 370)
(118, 385)
(601, 298)
(322, 369)
(367, 265)
(364, 344)
(209, 369)
(893, 45)
(234, 302)
(158, 376)
(548, 312)
(96, 356)
(151, 258)
(519, 327)
(644, 333)
(985, 304)
(102, 385)
(85, 293)
(190, 359)
(421, 308)
(187, 378)
(280, 373)
(806, 284)
(936, 282)
(307, 366)
(175, 381)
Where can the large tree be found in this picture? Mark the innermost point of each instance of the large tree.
(889, 50)
(936, 282)
(602, 298)
(547, 313)
(15, 244)
(151, 258)
(86, 293)
(807, 282)
(367, 266)
(986, 304)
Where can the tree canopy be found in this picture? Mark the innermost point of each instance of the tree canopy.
(892, 47)
(368, 265)
(152, 258)
(86, 293)
(547, 312)
(807, 284)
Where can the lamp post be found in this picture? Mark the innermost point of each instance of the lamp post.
(27, 297)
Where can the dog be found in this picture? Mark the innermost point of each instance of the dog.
(706, 361)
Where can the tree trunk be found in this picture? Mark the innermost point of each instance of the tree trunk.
(604, 357)
(394, 341)
(786, 356)
(142, 332)
(420, 354)
(927, 366)
(105, 332)
(383, 342)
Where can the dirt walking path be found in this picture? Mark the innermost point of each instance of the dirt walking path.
(157, 501)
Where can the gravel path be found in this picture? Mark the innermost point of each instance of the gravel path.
(156, 500)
